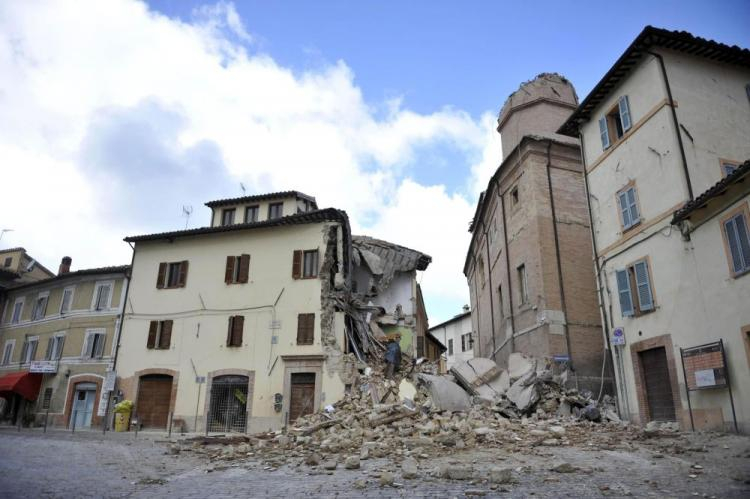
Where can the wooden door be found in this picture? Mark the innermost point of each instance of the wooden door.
(302, 397)
(154, 395)
(658, 386)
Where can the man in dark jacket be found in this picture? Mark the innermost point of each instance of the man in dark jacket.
(392, 357)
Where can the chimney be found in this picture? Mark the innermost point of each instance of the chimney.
(466, 308)
(65, 265)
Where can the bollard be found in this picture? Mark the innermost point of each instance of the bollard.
(75, 414)
(169, 434)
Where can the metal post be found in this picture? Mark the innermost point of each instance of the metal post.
(729, 385)
(197, 406)
(687, 390)
(169, 432)
(75, 416)
(105, 422)
(136, 424)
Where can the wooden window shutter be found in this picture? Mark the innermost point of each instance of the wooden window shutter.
(624, 107)
(305, 329)
(229, 272)
(60, 347)
(739, 242)
(625, 210)
(183, 274)
(237, 326)
(634, 215)
(626, 297)
(230, 330)
(244, 269)
(297, 264)
(165, 338)
(645, 297)
(604, 132)
(153, 328)
(160, 276)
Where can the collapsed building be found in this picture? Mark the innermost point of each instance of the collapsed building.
(267, 315)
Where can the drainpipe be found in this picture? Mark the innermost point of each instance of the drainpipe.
(676, 123)
(122, 312)
(489, 282)
(559, 261)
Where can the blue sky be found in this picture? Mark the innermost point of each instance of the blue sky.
(122, 112)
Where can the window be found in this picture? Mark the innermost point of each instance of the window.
(17, 311)
(523, 285)
(28, 352)
(728, 167)
(40, 306)
(8, 351)
(55, 347)
(8, 262)
(251, 213)
(67, 300)
(615, 123)
(635, 290)
(275, 210)
(172, 275)
(93, 347)
(102, 296)
(450, 347)
(629, 215)
(159, 335)
(227, 216)
(514, 196)
(47, 398)
(467, 342)
(305, 264)
(305, 329)
(737, 240)
(234, 332)
(500, 301)
(237, 269)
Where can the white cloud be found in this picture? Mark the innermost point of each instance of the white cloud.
(109, 110)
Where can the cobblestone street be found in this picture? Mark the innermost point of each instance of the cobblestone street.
(86, 464)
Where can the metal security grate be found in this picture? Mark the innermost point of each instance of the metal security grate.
(228, 404)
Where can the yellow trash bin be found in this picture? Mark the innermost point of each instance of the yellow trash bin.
(122, 420)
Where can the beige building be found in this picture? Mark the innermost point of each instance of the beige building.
(529, 262)
(664, 136)
(457, 336)
(254, 321)
(58, 342)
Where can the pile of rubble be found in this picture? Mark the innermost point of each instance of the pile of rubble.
(420, 414)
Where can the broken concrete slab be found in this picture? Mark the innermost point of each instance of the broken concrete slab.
(445, 395)
(520, 365)
(481, 377)
(523, 393)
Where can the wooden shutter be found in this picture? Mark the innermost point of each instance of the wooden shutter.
(183, 274)
(244, 268)
(60, 346)
(89, 351)
(604, 132)
(50, 343)
(230, 330)
(739, 245)
(624, 113)
(23, 351)
(101, 340)
(305, 329)
(33, 350)
(165, 338)
(633, 206)
(103, 298)
(153, 328)
(297, 264)
(626, 297)
(625, 210)
(238, 325)
(160, 276)
(229, 271)
(643, 285)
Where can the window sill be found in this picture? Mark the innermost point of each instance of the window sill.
(631, 228)
(741, 274)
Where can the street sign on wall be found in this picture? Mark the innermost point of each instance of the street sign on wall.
(43, 366)
(618, 336)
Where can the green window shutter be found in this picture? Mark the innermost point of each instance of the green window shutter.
(626, 298)
(624, 113)
(604, 132)
(642, 282)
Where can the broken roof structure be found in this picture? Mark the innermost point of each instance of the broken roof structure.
(384, 259)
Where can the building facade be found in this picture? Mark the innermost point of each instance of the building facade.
(665, 140)
(58, 340)
(254, 321)
(17, 267)
(529, 262)
(457, 336)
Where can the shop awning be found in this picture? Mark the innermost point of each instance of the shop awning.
(23, 383)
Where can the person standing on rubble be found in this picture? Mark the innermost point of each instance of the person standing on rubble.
(392, 356)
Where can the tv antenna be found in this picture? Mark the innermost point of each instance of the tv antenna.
(3, 231)
(186, 212)
(242, 186)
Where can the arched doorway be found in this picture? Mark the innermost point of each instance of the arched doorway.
(228, 404)
(154, 397)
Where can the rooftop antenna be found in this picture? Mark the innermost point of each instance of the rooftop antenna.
(186, 212)
(3, 231)
(242, 186)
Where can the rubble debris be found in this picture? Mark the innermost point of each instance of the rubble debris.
(445, 394)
